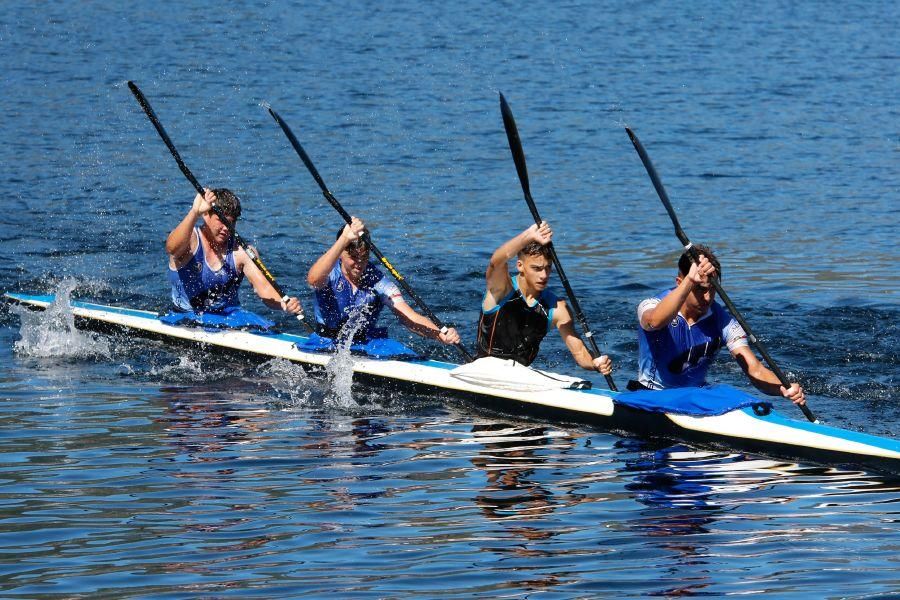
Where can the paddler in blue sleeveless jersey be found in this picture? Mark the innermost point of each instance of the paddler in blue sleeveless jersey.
(349, 294)
(683, 328)
(517, 312)
(206, 268)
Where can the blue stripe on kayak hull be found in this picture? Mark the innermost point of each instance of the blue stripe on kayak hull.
(836, 432)
(144, 314)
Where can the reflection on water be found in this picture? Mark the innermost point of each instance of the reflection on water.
(700, 501)
(219, 485)
(508, 460)
(678, 477)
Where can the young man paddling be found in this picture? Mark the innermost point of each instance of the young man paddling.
(682, 329)
(206, 269)
(517, 312)
(350, 293)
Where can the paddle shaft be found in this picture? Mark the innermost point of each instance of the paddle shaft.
(515, 145)
(347, 218)
(148, 110)
(695, 257)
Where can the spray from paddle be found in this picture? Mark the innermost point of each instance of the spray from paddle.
(52, 333)
(292, 380)
(340, 367)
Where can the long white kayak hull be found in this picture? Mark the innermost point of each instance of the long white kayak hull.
(771, 434)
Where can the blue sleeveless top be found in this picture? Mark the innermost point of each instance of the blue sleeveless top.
(336, 302)
(196, 287)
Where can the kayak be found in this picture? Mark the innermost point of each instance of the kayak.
(753, 428)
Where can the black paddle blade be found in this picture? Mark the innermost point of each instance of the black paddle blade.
(309, 165)
(142, 100)
(299, 149)
(657, 183)
(148, 110)
(515, 146)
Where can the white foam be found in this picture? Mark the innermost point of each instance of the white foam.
(52, 333)
(288, 378)
(340, 367)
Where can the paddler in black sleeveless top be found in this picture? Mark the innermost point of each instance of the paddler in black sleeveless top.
(517, 312)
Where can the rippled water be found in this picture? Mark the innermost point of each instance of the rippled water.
(234, 487)
(133, 468)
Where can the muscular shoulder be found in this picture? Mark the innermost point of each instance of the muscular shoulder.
(495, 296)
(548, 298)
(734, 335)
(241, 258)
(177, 262)
(646, 306)
(561, 316)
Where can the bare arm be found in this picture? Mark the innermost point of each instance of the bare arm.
(497, 275)
(180, 241)
(317, 276)
(262, 286)
(765, 380)
(563, 321)
(422, 325)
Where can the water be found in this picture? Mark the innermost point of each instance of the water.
(133, 468)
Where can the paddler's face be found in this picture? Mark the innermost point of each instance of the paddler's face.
(536, 271)
(221, 230)
(700, 298)
(355, 260)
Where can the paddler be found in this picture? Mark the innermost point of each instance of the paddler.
(683, 328)
(350, 292)
(517, 312)
(206, 268)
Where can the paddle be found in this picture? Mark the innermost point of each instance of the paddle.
(515, 145)
(346, 216)
(142, 100)
(695, 257)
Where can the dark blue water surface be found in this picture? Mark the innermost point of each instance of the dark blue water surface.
(131, 467)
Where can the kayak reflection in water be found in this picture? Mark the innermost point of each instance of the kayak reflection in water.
(206, 268)
(349, 291)
(517, 312)
(682, 329)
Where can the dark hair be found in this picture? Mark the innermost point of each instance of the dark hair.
(228, 202)
(355, 244)
(535, 249)
(684, 263)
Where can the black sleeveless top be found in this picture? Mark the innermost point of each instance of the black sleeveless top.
(514, 329)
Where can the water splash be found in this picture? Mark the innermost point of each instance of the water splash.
(288, 378)
(189, 368)
(52, 333)
(340, 367)
(340, 376)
